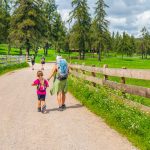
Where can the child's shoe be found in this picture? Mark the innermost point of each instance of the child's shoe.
(39, 109)
(43, 109)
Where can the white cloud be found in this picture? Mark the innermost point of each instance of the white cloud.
(143, 19)
(124, 15)
(142, 1)
(64, 14)
(114, 21)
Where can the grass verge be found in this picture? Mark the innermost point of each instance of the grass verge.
(8, 68)
(130, 122)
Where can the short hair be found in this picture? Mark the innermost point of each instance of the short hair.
(39, 73)
(58, 58)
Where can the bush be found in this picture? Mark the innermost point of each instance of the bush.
(5, 69)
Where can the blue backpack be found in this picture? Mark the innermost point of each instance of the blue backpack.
(62, 69)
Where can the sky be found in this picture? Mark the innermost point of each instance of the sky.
(124, 15)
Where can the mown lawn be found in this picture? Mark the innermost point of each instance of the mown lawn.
(117, 62)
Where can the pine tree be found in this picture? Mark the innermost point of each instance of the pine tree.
(81, 27)
(58, 32)
(4, 20)
(145, 44)
(50, 9)
(101, 25)
(27, 24)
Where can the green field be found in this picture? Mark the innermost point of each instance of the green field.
(113, 62)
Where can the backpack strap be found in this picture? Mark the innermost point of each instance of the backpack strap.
(39, 84)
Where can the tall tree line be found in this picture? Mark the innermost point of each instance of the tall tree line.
(31, 24)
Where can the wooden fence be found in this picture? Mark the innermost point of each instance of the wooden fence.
(80, 72)
(10, 60)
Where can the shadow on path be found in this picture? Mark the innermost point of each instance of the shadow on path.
(68, 107)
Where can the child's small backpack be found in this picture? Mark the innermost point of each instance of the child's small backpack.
(43, 60)
(32, 58)
(40, 87)
(62, 69)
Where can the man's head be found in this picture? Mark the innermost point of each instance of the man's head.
(58, 58)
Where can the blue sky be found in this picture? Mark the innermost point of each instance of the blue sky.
(124, 15)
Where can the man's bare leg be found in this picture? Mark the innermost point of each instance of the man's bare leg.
(63, 98)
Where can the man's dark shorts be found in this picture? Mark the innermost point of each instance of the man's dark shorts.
(41, 97)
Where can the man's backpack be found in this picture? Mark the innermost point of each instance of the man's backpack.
(62, 69)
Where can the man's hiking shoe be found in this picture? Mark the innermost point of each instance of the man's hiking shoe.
(60, 108)
(39, 109)
(44, 109)
(63, 106)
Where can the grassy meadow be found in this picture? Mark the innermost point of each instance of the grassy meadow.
(130, 122)
(112, 61)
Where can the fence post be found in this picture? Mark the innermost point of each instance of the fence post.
(105, 76)
(123, 80)
(94, 75)
(6, 60)
(83, 70)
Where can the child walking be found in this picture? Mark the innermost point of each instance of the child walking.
(33, 61)
(42, 62)
(41, 84)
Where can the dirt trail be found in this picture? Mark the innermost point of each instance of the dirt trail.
(22, 128)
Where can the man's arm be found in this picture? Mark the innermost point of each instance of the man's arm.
(52, 72)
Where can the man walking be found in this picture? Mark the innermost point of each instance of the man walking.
(60, 73)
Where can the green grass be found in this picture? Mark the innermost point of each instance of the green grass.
(113, 62)
(9, 68)
(117, 62)
(129, 121)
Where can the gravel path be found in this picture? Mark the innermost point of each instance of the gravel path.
(22, 128)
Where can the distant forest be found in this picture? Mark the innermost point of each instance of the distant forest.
(30, 24)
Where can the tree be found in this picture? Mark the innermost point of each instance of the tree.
(81, 26)
(101, 25)
(145, 43)
(132, 46)
(27, 24)
(50, 10)
(4, 21)
(58, 32)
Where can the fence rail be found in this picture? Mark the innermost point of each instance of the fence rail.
(9, 60)
(79, 71)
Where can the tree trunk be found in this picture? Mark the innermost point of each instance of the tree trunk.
(9, 49)
(99, 52)
(20, 51)
(28, 53)
(80, 54)
(122, 56)
(83, 54)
